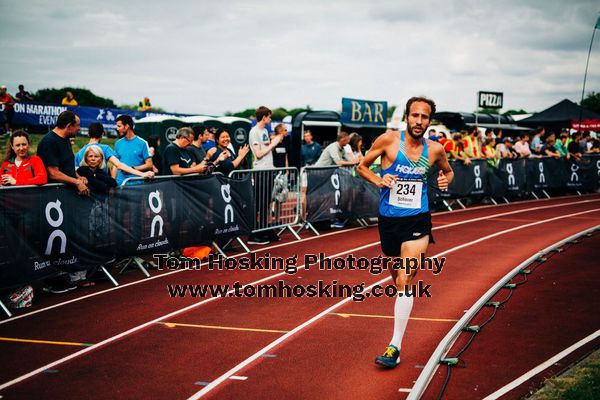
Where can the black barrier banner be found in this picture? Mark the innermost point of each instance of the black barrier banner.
(513, 173)
(176, 213)
(334, 193)
(469, 180)
(48, 229)
(538, 174)
(44, 230)
(583, 174)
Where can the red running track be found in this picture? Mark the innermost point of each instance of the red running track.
(555, 308)
(159, 361)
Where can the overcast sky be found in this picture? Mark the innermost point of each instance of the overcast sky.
(208, 57)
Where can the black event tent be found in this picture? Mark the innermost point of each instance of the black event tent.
(559, 116)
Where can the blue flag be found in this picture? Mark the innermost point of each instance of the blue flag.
(598, 23)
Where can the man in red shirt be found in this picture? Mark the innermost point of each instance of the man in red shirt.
(8, 102)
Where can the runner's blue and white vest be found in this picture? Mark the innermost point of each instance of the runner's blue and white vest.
(403, 199)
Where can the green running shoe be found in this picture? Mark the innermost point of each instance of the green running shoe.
(390, 358)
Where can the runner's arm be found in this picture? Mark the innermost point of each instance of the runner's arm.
(377, 150)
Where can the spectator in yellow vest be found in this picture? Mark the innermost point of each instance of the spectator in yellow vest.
(145, 105)
(69, 100)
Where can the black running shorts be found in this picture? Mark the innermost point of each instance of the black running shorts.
(393, 231)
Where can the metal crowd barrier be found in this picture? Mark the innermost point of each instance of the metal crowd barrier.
(277, 198)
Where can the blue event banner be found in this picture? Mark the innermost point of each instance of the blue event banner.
(28, 114)
(368, 113)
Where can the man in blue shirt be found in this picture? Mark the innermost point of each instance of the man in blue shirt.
(95, 133)
(131, 149)
(310, 150)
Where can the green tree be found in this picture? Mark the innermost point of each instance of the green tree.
(592, 102)
(84, 97)
(390, 112)
(134, 107)
(514, 112)
(279, 113)
(487, 111)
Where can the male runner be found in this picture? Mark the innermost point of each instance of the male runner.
(404, 219)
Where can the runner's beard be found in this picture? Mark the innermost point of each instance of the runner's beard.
(414, 135)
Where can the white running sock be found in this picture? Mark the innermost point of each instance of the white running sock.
(402, 309)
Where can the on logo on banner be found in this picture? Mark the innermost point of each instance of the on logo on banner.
(574, 173)
(55, 223)
(335, 182)
(228, 212)
(511, 176)
(478, 181)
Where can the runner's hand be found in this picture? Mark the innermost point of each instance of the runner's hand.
(442, 181)
(387, 181)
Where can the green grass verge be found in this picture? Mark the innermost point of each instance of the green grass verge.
(581, 382)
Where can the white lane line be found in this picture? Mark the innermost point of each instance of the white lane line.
(216, 382)
(192, 306)
(64, 303)
(533, 372)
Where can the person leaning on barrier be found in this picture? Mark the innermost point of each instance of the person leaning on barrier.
(55, 151)
(549, 150)
(573, 146)
(334, 154)
(95, 133)
(93, 167)
(560, 145)
(229, 161)
(310, 150)
(454, 149)
(18, 167)
(537, 142)
(177, 160)
(471, 143)
(489, 151)
(522, 146)
(130, 149)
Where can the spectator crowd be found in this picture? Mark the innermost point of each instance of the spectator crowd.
(472, 144)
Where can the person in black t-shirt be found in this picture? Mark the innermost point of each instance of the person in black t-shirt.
(280, 152)
(573, 146)
(177, 160)
(55, 150)
(196, 146)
